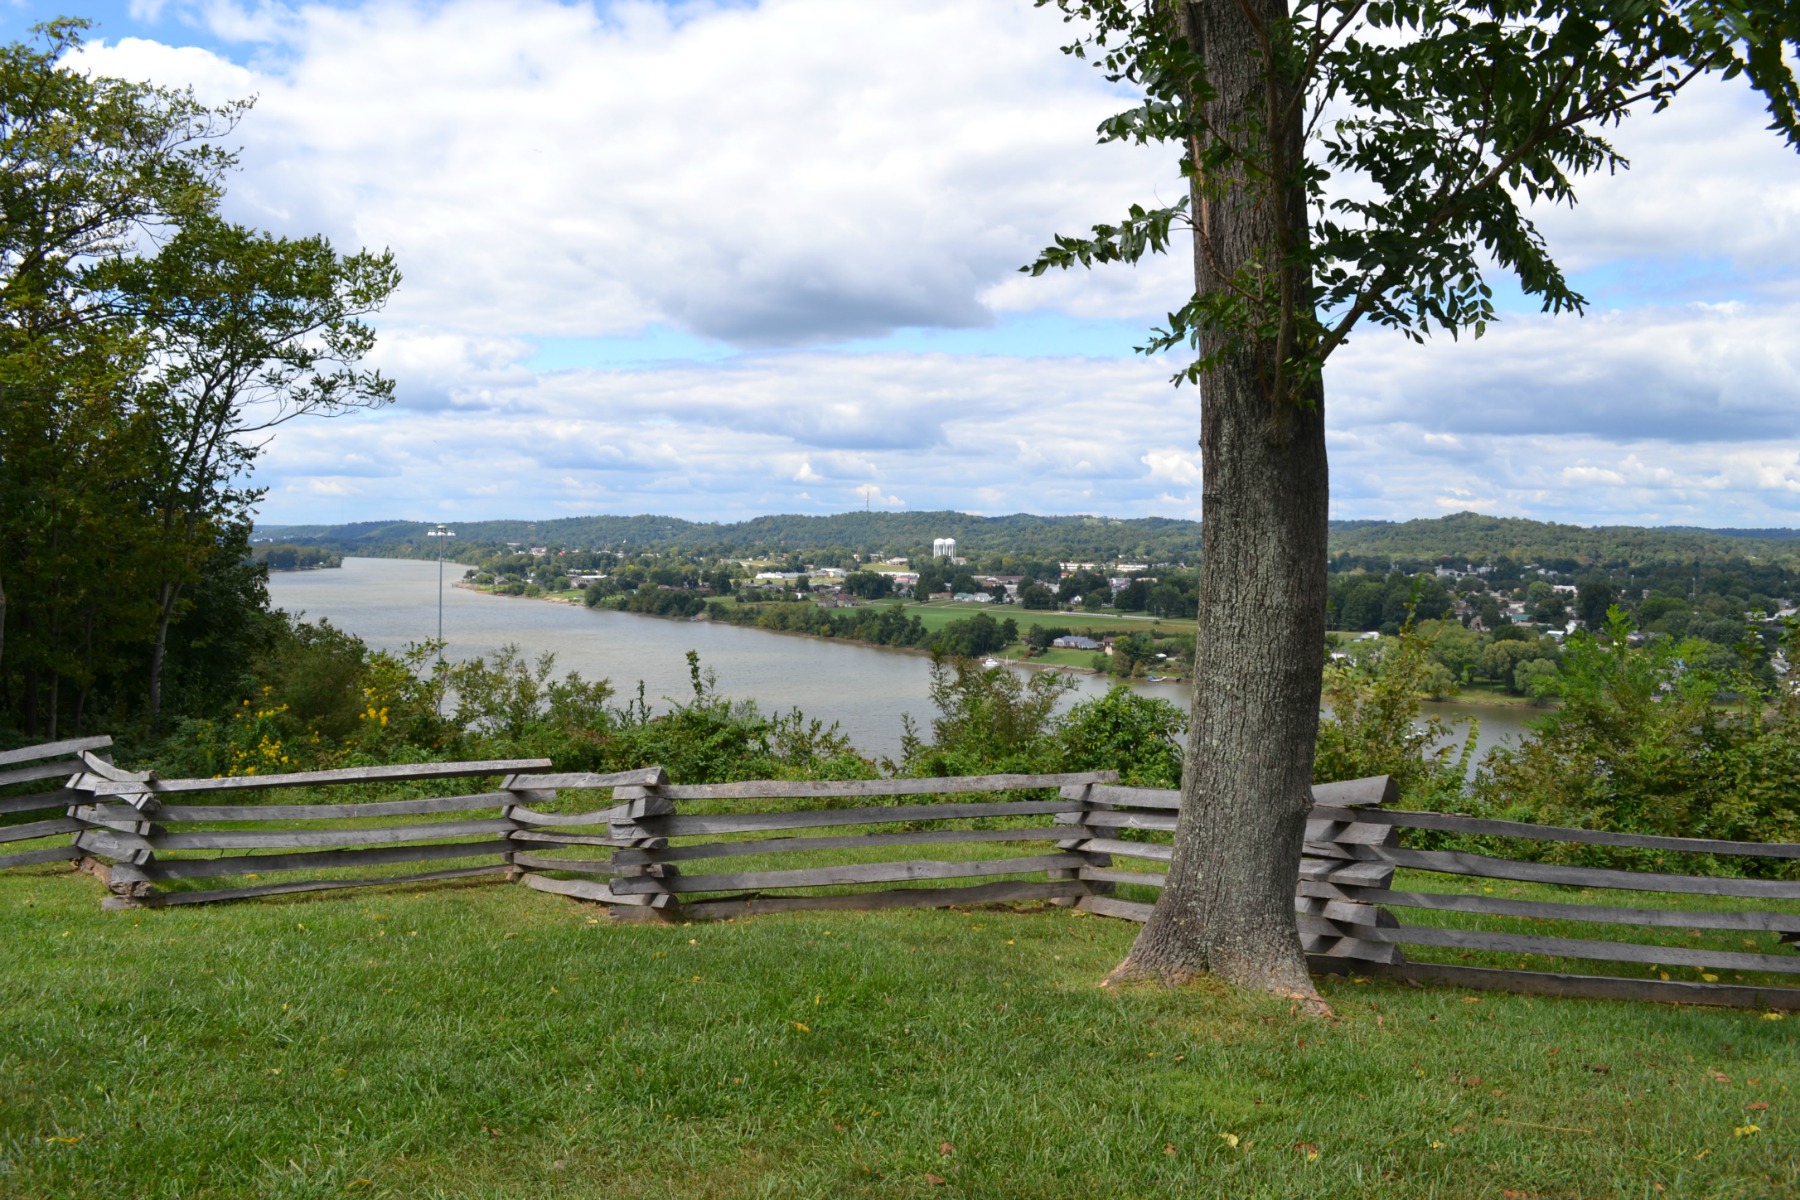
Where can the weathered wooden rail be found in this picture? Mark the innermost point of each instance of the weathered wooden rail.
(28, 770)
(1346, 897)
(651, 849)
(141, 833)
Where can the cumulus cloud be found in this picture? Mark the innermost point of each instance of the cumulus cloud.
(797, 171)
(1692, 374)
(1024, 434)
(780, 177)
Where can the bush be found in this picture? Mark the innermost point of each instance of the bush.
(1373, 725)
(1641, 744)
(1137, 736)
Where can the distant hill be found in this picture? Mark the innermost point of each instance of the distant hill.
(1158, 538)
(1475, 538)
(1452, 540)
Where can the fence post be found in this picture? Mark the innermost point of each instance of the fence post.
(631, 803)
(1328, 917)
(119, 827)
(1080, 793)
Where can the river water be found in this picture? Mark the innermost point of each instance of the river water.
(390, 602)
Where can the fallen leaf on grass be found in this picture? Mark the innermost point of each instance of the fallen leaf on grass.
(1708, 977)
(66, 1141)
(1759, 1106)
(934, 1180)
(800, 1026)
(1601, 1068)
(946, 1149)
(1169, 1148)
(1308, 1149)
(1720, 1077)
(1746, 1130)
(1773, 1016)
(1230, 1139)
(1471, 999)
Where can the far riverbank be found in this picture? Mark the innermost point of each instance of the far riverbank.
(392, 602)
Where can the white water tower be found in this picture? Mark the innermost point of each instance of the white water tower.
(943, 548)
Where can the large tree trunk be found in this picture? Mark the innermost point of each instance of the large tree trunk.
(1228, 907)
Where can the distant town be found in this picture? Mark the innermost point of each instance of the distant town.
(1495, 623)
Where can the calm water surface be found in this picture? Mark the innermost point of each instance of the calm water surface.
(390, 602)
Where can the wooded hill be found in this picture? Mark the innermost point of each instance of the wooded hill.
(1453, 540)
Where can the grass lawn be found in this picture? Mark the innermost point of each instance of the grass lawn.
(936, 616)
(498, 1042)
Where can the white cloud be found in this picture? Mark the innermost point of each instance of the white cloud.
(799, 170)
(767, 434)
(803, 171)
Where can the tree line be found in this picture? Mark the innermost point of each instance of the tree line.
(1450, 541)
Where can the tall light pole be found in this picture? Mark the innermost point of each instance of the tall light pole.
(440, 532)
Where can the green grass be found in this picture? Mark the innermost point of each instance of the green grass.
(492, 1041)
(937, 615)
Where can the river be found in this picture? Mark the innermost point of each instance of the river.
(389, 602)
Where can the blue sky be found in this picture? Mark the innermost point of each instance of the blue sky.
(716, 260)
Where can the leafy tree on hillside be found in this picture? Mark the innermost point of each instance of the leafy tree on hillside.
(1452, 117)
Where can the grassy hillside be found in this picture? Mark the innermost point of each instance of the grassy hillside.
(497, 1042)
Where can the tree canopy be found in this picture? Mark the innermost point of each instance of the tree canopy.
(146, 346)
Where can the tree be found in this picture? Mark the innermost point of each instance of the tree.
(1592, 599)
(146, 346)
(87, 165)
(870, 585)
(1453, 115)
(245, 332)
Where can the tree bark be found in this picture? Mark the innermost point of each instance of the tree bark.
(159, 648)
(1228, 907)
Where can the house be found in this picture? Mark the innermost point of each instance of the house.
(974, 597)
(1075, 642)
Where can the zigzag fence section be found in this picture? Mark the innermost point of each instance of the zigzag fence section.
(1083, 823)
(35, 799)
(1346, 900)
(650, 849)
(159, 842)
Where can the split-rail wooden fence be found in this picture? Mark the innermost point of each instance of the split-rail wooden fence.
(651, 849)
